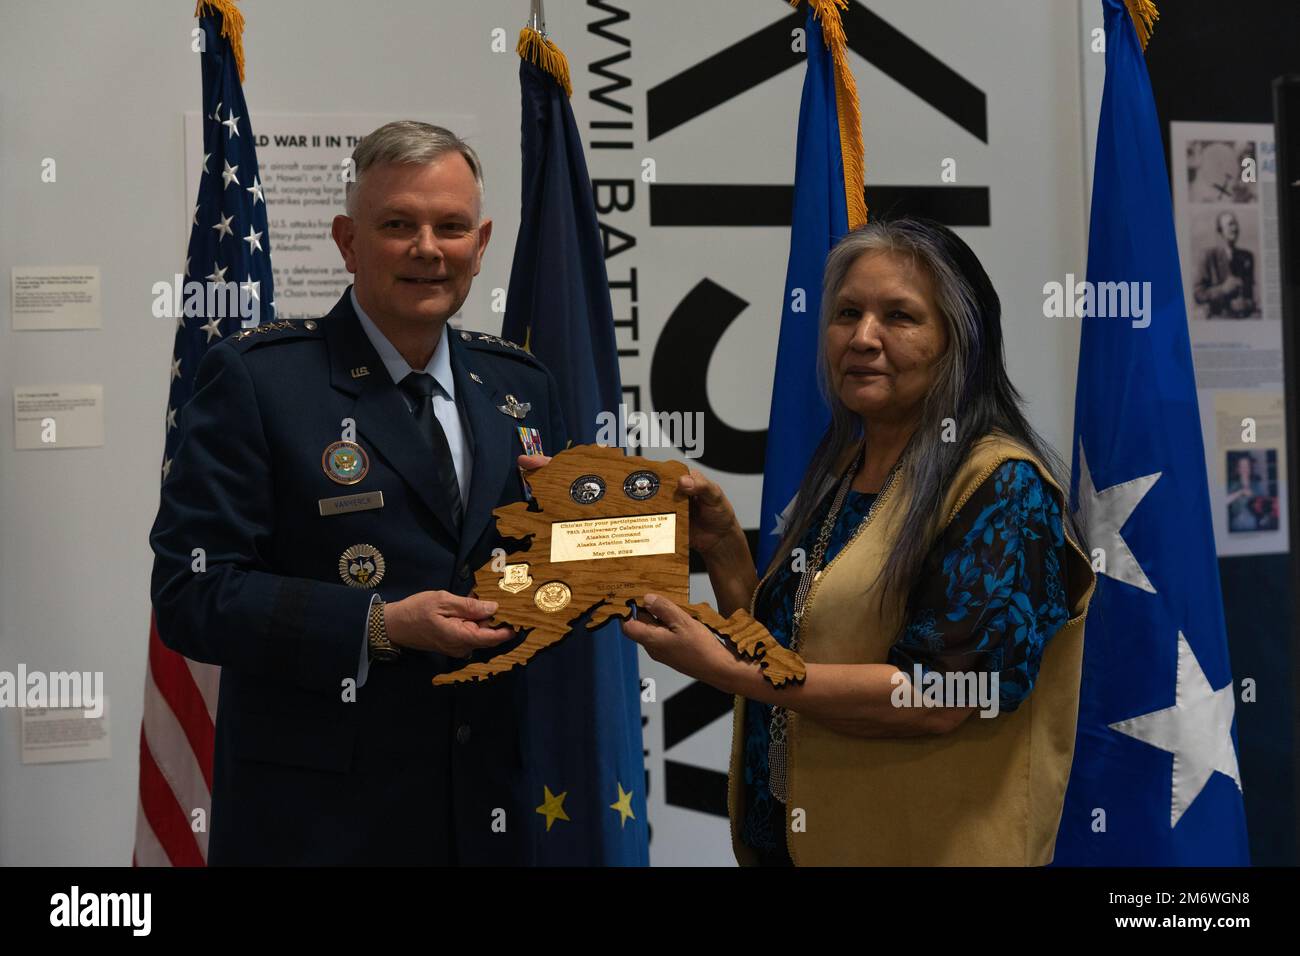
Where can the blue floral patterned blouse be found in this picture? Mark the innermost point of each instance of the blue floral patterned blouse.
(991, 594)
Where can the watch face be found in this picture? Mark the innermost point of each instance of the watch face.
(587, 490)
(641, 485)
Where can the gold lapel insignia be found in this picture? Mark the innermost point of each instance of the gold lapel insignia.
(359, 371)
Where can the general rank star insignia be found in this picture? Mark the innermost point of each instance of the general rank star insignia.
(268, 327)
(515, 408)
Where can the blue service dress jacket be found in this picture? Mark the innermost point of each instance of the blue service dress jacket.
(405, 772)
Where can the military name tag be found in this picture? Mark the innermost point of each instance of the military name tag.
(349, 503)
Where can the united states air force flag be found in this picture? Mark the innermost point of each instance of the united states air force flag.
(1155, 779)
(587, 772)
(828, 201)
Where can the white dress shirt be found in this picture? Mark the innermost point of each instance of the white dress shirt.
(444, 407)
(444, 397)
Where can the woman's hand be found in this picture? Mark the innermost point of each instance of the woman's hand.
(713, 520)
(533, 462)
(672, 637)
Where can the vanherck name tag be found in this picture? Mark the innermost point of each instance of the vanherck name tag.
(342, 505)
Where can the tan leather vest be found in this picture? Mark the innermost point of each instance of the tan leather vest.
(988, 793)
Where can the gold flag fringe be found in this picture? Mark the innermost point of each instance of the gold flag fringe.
(1145, 15)
(539, 50)
(232, 27)
(847, 106)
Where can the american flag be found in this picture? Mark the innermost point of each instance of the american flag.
(229, 251)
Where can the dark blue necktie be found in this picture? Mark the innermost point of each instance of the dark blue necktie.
(419, 387)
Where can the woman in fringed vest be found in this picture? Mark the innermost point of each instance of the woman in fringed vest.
(931, 576)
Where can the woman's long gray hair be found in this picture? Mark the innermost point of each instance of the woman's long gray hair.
(971, 387)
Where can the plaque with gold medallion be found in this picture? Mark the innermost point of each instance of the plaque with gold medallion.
(604, 529)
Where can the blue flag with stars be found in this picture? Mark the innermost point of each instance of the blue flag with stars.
(586, 766)
(227, 282)
(1155, 780)
(820, 218)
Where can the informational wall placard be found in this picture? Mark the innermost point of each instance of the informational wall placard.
(302, 160)
(1225, 206)
(60, 734)
(55, 297)
(58, 416)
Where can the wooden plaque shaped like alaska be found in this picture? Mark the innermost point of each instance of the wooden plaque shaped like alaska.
(604, 529)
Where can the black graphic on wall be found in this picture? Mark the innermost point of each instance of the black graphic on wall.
(739, 204)
(687, 712)
(679, 375)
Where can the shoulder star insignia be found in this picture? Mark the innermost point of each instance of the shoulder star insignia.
(268, 327)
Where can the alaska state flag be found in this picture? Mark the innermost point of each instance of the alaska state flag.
(585, 753)
(1155, 780)
(821, 217)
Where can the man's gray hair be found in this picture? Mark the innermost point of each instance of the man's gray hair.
(408, 142)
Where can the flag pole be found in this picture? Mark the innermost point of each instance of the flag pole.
(537, 17)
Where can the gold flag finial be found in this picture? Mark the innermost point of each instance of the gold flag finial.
(1145, 15)
(232, 27)
(847, 107)
(536, 47)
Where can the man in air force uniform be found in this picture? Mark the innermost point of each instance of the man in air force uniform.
(339, 476)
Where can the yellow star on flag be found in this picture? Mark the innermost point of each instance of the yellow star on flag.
(623, 805)
(552, 807)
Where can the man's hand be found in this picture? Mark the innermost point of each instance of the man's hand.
(443, 622)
